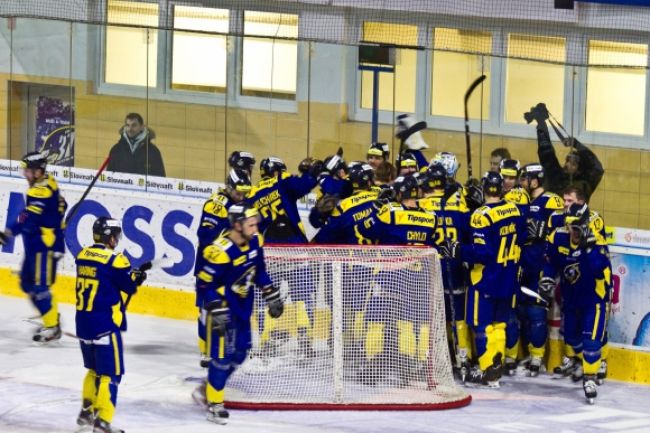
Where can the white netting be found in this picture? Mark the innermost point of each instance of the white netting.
(363, 326)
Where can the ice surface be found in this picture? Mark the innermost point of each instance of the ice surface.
(40, 391)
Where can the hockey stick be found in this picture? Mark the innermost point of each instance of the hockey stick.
(74, 209)
(528, 292)
(468, 147)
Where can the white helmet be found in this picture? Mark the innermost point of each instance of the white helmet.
(448, 161)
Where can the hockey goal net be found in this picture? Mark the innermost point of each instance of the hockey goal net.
(363, 328)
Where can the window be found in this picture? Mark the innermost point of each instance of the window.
(530, 82)
(131, 53)
(404, 78)
(269, 65)
(616, 96)
(453, 72)
(199, 60)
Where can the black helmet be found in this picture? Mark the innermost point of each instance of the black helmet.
(434, 177)
(492, 184)
(379, 149)
(577, 215)
(270, 166)
(361, 175)
(532, 171)
(240, 212)
(407, 160)
(242, 160)
(509, 167)
(34, 160)
(406, 187)
(335, 163)
(106, 228)
(238, 180)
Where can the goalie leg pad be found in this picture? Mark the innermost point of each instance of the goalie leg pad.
(374, 339)
(406, 338)
(423, 342)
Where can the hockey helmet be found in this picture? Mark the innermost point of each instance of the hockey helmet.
(106, 228)
(448, 161)
(270, 166)
(34, 160)
(407, 160)
(238, 180)
(492, 184)
(509, 167)
(406, 187)
(532, 171)
(434, 177)
(240, 212)
(361, 175)
(242, 160)
(379, 149)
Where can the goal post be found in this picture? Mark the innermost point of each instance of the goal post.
(363, 328)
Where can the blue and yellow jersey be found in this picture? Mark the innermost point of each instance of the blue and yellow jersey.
(214, 221)
(519, 197)
(452, 222)
(585, 274)
(496, 229)
(275, 198)
(342, 188)
(41, 222)
(231, 272)
(396, 225)
(339, 228)
(102, 274)
(596, 224)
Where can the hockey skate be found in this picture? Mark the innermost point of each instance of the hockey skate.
(602, 372)
(217, 413)
(102, 426)
(490, 377)
(577, 374)
(86, 417)
(565, 369)
(510, 367)
(534, 366)
(589, 385)
(46, 335)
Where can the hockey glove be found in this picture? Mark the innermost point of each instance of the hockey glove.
(536, 229)
(273, 299)
(138, 276)
(3, 238)
(219, 316)
(450, 249)
(546, 288)
(316, 168)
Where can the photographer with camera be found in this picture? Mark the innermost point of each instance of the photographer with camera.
(581, 167)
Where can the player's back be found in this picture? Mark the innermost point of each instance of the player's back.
(102, 274)
(398, 225)
(339, 227)
(496, 231)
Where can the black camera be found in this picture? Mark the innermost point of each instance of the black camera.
(539, 112)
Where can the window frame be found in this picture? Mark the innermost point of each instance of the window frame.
(163, 90)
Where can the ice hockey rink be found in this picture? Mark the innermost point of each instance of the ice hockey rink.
(40, 392)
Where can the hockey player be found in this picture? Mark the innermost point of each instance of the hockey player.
(333, 180)
(407, 164)
(378, 153)
(398, 224)
(275, 199)
(103, 275)
(234, 265)
(214, 220)
(339, 228)
(408, 132)
(242, 161)
(452, 222)
(533, 314)
(512, 191)
(584, 270)
(494, 259)
(41, 225)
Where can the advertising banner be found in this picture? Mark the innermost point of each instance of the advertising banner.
(55, 130)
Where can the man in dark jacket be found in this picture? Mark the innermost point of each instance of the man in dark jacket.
(581, 167)
(135, 153)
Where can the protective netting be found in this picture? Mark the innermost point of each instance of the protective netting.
(483, 27)
(363, 327)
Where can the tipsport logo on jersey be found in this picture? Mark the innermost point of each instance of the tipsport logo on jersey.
(153, 226)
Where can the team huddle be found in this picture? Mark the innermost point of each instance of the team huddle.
(508, 249)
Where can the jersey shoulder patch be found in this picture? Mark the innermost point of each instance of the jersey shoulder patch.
(216, 253)
(121, 261)
(554, 201)
(39, 192)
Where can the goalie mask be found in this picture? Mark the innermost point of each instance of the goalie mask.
(408, 131)
(105, 229)
(448, 161)
(269, 167)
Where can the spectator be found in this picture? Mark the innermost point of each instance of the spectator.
(581, 169)
(498, 155)
(134, 152)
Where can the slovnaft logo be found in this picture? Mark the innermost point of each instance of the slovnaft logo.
(181, 186)
(140, 182)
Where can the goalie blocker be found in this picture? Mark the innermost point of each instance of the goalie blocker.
(352, 287)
